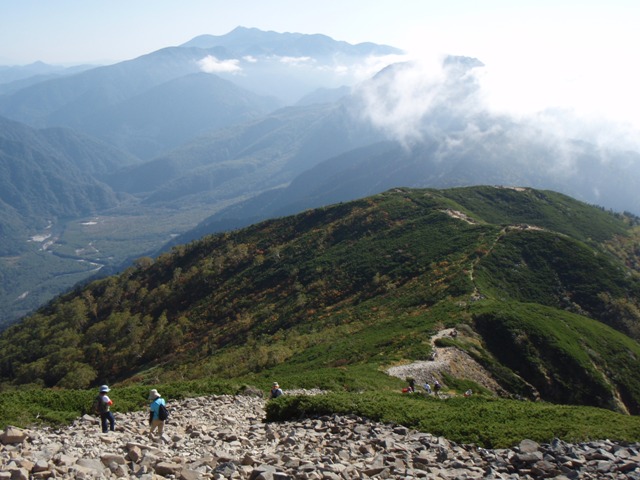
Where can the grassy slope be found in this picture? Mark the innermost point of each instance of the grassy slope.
(542, 208)
(567, 357)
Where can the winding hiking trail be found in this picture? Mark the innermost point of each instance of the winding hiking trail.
(448, 360)
(451, 360)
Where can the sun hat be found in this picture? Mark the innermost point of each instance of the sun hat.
(153, 394)
(105, 388)
(275, 384)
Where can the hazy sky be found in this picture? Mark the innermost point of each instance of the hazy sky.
(568, 54)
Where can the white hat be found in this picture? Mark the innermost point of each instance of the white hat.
(153, 394)
(104, 388)
(275, 384)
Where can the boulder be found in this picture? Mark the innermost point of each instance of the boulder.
(13, 435)
(168, 468)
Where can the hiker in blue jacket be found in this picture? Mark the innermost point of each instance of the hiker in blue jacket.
(155, 422)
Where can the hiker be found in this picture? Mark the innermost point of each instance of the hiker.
(432, 357)
(156, 422)
(427, 388)
(412, 385)
(276, 391)
(437, 387)
(102, 406)
(468, 393)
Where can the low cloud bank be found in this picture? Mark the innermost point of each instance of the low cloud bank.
(408, 100)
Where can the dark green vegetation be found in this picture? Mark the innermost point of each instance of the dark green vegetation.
(491, 423)
(546, 301)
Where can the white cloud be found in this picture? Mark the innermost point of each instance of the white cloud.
(372, 65)
(211, 64)
(295, 60)
(566, 102)
(399, 97)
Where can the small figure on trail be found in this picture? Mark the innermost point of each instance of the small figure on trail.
(432, 357)
(412, 385)
(454, 333)
(427, 388)
(437, 387)
(468, 393)
(102, 406)
(157, 412)
(276, 391)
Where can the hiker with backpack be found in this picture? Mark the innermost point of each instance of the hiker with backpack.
(102, 406)
(157, 413)
(437, 387)
(276, 391)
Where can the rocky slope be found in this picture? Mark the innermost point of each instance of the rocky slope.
(446, 360)
(225, 437)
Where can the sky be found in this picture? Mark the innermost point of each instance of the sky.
(581, 56)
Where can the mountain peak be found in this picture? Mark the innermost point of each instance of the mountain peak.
(243, 40)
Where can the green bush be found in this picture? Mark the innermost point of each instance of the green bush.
(58, 406)
(490, 423)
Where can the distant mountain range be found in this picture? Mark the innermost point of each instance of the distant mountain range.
(158, 101)
(15, 78)
(223, 131)
(242, 42)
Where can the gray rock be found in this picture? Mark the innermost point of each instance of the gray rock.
(19, 474)
(91, 464)
(527, 457)
(12, 435)
(40, 466)
(167, 468)
(109, 458)
(528, 446)
(187, 474)
(262, 472)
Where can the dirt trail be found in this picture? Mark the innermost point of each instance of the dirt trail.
(449, 360)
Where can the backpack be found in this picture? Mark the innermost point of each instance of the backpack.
(99, 406)
(163, 413)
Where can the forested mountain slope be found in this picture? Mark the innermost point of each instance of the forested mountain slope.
(48, 174)
(546, 288)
